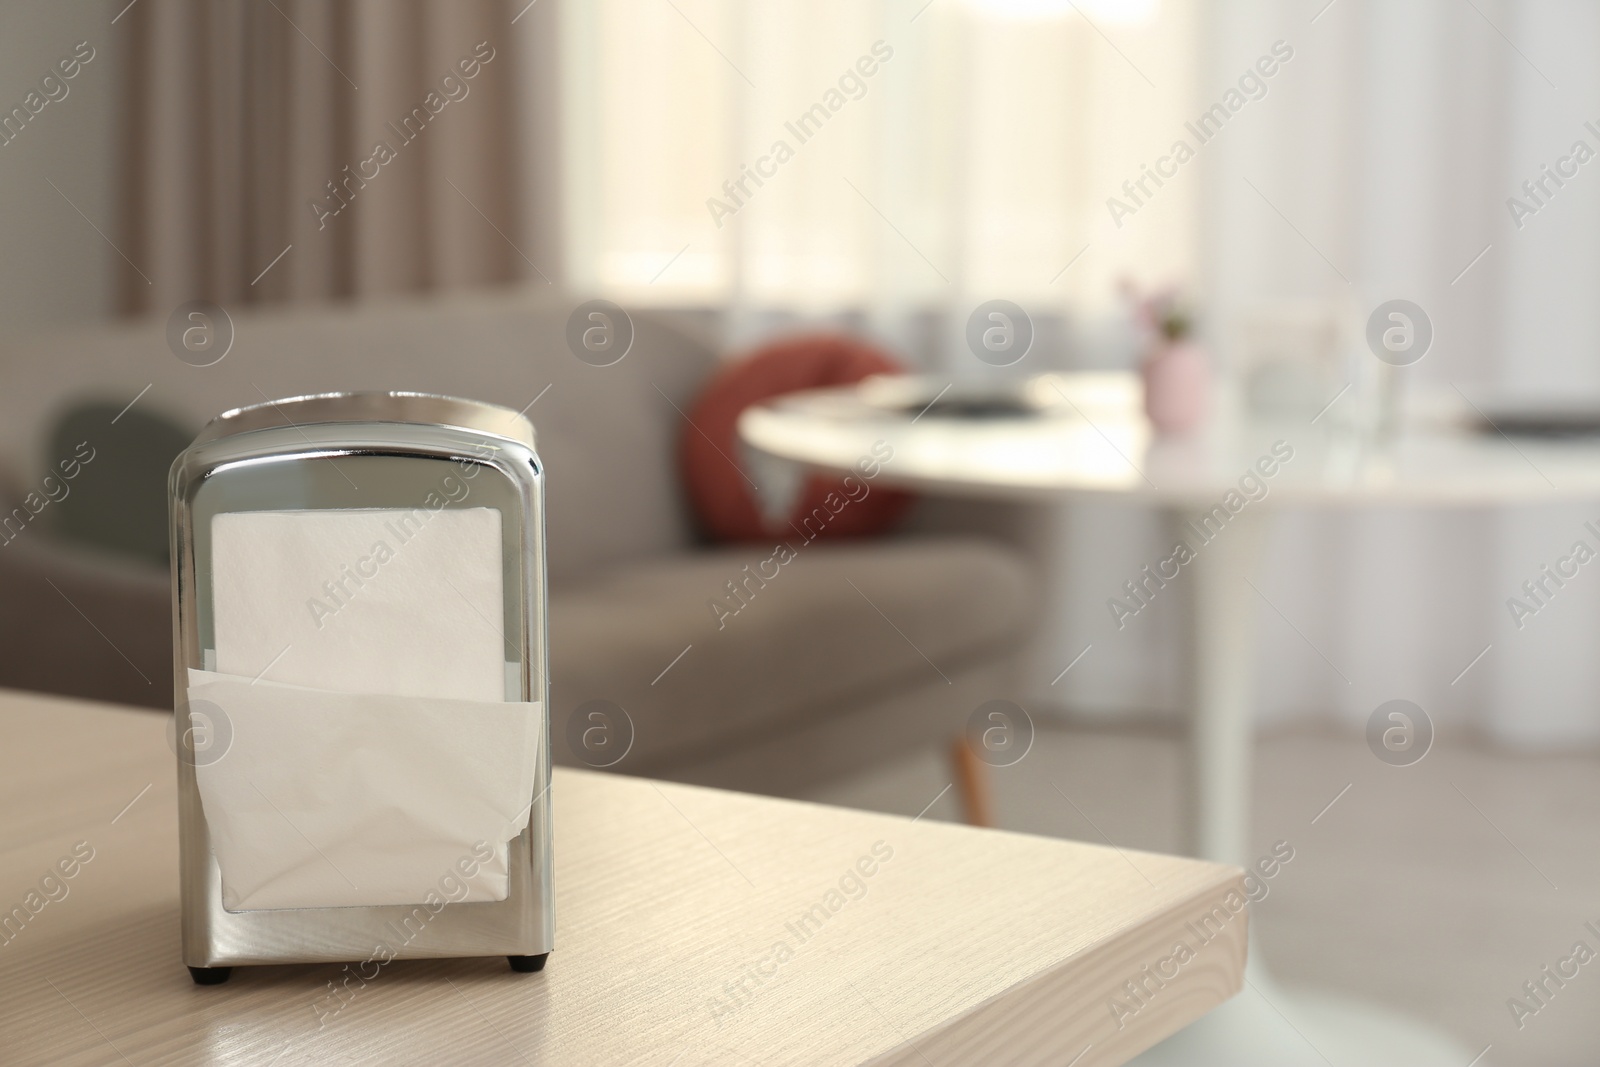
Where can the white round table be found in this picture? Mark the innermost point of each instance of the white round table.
(1220, 488)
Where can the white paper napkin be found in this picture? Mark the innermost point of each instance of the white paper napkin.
(361, 671)
(339, 799)
(378, 600)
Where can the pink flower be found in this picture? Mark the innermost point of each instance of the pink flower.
(1162, 314)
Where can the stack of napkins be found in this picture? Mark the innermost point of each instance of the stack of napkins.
(361, 668)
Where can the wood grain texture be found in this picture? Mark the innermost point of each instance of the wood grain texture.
(692, 927)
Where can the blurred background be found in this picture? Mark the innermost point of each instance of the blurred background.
(418, 194)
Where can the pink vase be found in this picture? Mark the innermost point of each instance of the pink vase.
(1177, 386)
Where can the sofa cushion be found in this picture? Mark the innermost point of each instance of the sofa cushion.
(718, 484)
(698, 669)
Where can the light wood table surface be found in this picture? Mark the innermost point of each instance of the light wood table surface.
(962, 946)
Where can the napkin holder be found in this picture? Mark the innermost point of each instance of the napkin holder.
(361, 455)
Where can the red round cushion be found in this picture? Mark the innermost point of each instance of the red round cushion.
(723, 498)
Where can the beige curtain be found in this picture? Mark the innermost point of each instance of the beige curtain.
(282, 150)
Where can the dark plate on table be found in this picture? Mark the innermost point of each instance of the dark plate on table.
(1545, 416)
(973, 407)
(923, 397)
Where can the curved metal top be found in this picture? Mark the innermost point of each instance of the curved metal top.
(420, 408)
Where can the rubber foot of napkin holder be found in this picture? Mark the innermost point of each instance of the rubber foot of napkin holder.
(210, 975)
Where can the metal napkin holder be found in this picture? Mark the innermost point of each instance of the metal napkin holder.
(310, 452)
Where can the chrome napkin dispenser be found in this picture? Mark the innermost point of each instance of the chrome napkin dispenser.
(360, 684)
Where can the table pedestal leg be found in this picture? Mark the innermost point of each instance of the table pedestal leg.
(1265, 1025)
(1222, 661)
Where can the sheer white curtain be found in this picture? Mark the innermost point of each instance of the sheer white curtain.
(1377, 165)
(875, 156)
(1380, 167)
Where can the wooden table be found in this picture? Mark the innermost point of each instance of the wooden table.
(681, 935)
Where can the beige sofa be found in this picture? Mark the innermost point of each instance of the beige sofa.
(812, 679)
